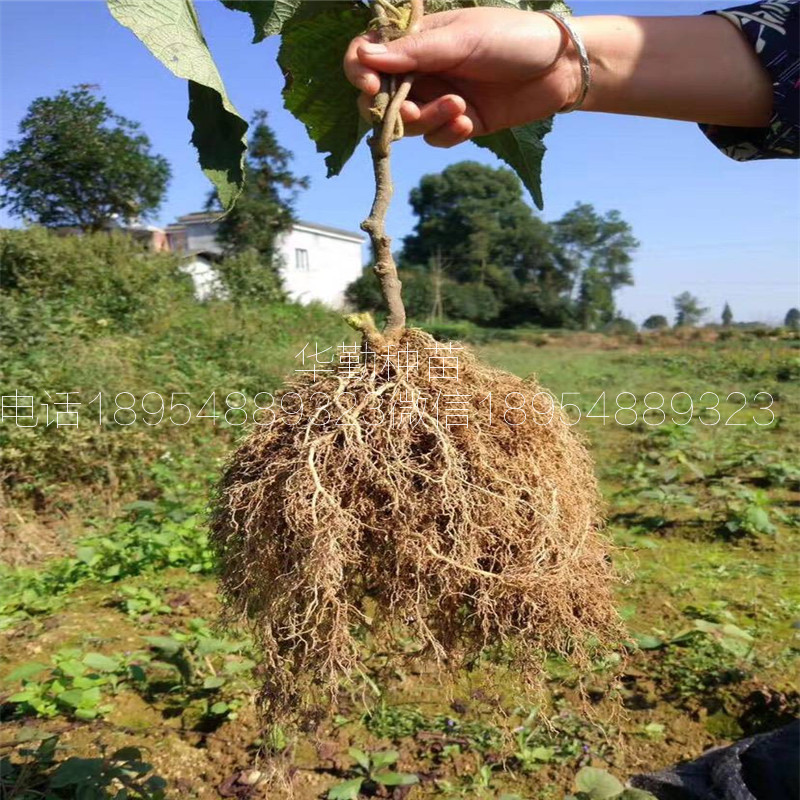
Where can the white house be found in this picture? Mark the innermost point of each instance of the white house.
(318, 261)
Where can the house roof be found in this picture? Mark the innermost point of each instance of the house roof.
(329, 229)
(213, 216)
(199, 216)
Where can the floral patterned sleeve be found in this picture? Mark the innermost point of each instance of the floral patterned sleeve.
(773, 29)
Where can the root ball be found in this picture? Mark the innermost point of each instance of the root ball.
(354, 517)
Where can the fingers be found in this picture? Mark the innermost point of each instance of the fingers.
(432, 116)
(450, 134)
(433, 50)
(436, 48)
(360, 75)
(443, 122)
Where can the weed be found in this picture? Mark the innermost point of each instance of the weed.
(597, 784)
(370, 770)
(138, 601)
(74, 686)
(120, 776)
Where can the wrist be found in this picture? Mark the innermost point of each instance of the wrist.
(567, 73)
(613, 44)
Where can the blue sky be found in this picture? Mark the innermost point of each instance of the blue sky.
(719, 229)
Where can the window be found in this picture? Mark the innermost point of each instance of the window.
(301, 259)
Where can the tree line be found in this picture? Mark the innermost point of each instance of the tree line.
(477, 252)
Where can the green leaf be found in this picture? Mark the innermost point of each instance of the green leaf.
(384, 758)
(597, 783)
(213, 682)
(166, 644)
(313, 42)
(72, 667)
(543, 754)
(522, 148)
(171, 31)
(101, 663)
(360, 757)
(268, 16)
(24, 671)
(127, 754)
(87, 555)
(395, 778)
(25, 696)
(347, 790)
(647, 642)
(219, 708)
(76, 698)
(77, 771)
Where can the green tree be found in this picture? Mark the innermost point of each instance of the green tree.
(792, 320)
(655, 322)
(727, 315)
(595, 253)
(265, 208)
(473, 215)
(500, 263)
(477, 218)
(688, 310)
(78, 164)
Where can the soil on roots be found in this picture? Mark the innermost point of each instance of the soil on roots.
(366, 512)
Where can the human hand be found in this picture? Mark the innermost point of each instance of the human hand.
(478, 70)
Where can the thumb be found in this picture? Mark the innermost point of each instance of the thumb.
(433, 50)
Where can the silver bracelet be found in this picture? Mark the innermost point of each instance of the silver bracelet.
(586, 70)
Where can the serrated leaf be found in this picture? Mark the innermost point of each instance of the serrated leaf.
(101, 663)
(171, 31)
(360, 757)
(166, 644)
(77, 698)
(88, 555)
(25, 696)
(72, 667)
(522, 148)
(127, 754)
(597, 783)
(347, 790)
(384, 758)
(645, 641)
(395, 778)
(316, 91)
(76, 771)
(268, 16)
(24, 671)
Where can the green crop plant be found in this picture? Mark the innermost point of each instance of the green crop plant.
(371, 770)
(74, 685)
(119, 776)
(202, 677)
(592, 783)
(139, 601)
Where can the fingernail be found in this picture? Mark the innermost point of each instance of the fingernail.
(373, 49)
(450, 106)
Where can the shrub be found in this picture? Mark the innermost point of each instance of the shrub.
(104, 278)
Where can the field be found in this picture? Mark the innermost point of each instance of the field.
(108, 635)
